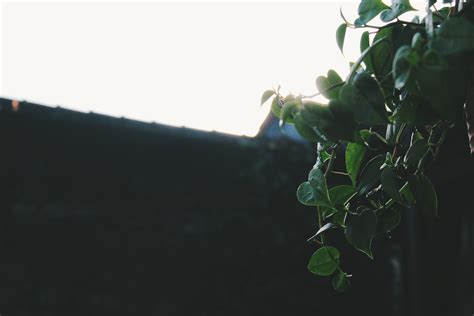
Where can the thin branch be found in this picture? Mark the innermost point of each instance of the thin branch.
(331, 162)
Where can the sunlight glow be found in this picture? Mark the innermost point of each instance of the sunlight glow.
(195, 64)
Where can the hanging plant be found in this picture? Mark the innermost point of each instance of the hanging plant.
(387, 119)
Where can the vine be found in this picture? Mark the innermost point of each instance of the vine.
(410, 82)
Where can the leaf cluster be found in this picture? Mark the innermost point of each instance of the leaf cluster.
(410, 84)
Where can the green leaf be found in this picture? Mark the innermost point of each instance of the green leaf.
(369, 9)
(424, 194)
(339, 195)
(365, 99)
(318, 181)
(402, 67)
(323, 85)
(446, 97)
(324, 261)
(289, 109)
(364, 41)
(364, 44)
(354, 156)
(388, 219)
(305, 130)
(454, 36)
(382, 55)
(340, 36)
(360, 229)
(341, 283)
(317, 114)
(334, 78)
(398, 8)
(346, 124)
(276, 107)
(320, 117)
(324, 228)
(266, 95)
(391, 184)
(306, 194)
(370, 175)
(327, 86)
(416, 152)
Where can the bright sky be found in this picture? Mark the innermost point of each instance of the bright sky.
(198, 64)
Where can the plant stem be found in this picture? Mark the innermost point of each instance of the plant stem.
(328, 169)
(397, 140)
(320, 223)
(356, 65)
(331, 162)
(340, 173)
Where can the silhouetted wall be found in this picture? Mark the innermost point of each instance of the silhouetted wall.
(105, 216)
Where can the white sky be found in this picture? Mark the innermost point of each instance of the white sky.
(198, 64)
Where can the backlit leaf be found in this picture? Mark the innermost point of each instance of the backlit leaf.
(398, 8)
(340, 36)
(354, 156)
(369, 9)
(360, 229)
(324, 261)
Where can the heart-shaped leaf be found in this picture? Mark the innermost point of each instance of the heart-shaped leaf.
(398, 8)
(354, 156)
(324, 261)
(306, 194)
(388, 219)
(366, 100)
(369, 9)
(334, 77)
(318, 181)
(360, 230)
(391, 184)
(325, 88)
(382, 55)
(402, 68)
(328, 86)
(424, 194)
(347, 126)
(319, 117)
(416, 152)
(370, 175)
(305, 130)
